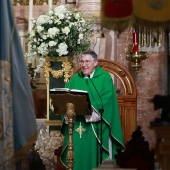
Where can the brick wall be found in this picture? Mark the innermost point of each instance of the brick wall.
(149, 81)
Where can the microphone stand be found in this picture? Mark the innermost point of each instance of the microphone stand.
(101, 111)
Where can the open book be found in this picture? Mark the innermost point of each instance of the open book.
(67, 90)
(79, 98)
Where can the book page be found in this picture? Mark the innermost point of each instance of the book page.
(75, 90)
(60, 89)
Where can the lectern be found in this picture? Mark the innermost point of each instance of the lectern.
(70, 103)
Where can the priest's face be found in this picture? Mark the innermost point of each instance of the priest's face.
(87, 64)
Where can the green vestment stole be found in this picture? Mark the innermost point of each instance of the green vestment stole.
(87, 146)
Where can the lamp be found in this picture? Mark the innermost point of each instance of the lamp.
(136, 56)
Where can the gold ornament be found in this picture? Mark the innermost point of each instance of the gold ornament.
(66, 69)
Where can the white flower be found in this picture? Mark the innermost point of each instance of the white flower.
(77, 16)
(32, 34)
(34, 46)
(60, 9)
(62, 49)
(44, 37)
(42, 19)
(52, 43)
(61, 16)
(45, 145)
(53, 31)
(33, 20)
(66, 30)
(78, 41)
(63, 31)
(50, 21)
(51, 12)
(40, 28)
(58, 22)
(80, 36)
(43, 49)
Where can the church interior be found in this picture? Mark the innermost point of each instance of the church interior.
(138, 77)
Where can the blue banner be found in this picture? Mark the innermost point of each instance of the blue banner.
(18, 128)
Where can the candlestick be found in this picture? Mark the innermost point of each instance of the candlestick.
(30, 14)
(135, 42)
(136, 58)
(50, 4)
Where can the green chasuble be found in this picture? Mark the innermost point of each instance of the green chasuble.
(87, 146)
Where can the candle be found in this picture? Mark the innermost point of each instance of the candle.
(135, 42)
(50, 4)
(30, 14)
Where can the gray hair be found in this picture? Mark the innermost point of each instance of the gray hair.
(91, 53)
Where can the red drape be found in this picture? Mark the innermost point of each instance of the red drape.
(116, 14)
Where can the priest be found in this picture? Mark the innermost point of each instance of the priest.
(95, 143)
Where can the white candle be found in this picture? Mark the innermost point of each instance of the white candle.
(50, 5)
(30, 14)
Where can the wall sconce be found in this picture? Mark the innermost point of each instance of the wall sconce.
(136, 56)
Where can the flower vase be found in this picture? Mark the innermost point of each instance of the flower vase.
(57, 73)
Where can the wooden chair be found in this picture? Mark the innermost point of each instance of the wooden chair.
(127, 97)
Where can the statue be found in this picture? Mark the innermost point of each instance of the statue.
(162, 102)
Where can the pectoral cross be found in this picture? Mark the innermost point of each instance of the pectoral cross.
(80, 130)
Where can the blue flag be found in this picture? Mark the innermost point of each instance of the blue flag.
(18, 128)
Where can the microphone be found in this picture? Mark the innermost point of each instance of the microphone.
(101, 110)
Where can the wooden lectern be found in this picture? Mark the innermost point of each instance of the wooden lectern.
(70, 103)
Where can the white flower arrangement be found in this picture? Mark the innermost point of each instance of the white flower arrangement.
(62, 32)
(46, 144)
